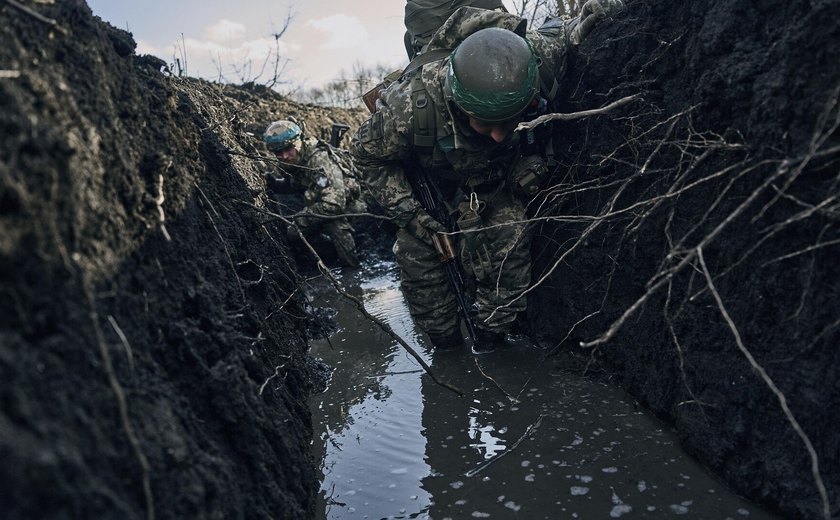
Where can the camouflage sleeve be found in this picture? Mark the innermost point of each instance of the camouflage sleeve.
(326, 194)
(552, 44)
(575, 30)
(380, 148)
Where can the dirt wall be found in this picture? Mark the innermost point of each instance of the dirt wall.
(152, 334)
(731, 151)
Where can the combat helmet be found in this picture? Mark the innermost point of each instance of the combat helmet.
(282, 134)
(493, 75)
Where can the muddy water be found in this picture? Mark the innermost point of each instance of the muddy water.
(528, 440)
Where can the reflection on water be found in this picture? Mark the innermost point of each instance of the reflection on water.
(521, 444)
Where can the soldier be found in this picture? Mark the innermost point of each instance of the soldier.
(453, 117)
(329, 187)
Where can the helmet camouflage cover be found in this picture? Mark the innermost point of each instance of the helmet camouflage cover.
(281, 135)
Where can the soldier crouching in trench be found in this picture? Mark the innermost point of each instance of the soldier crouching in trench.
(329, 189)
(451, 120)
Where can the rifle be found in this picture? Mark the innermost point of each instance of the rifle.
(443, 243)
(336, 133)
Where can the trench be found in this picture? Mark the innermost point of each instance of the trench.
(529, 439)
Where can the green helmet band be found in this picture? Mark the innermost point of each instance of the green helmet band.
(494, 106)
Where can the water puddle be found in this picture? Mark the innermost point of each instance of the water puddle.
(526, 441)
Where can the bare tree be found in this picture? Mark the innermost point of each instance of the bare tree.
(537, 11)
(272, 69)
(346, 91)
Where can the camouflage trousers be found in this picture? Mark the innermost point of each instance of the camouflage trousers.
(496, 255)
(339, 233)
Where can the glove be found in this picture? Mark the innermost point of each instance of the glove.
(591, 13)
(422, 225)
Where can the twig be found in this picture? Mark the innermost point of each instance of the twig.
(510, 397)
(576, 115)
(120, 396)
(802, 251)
(687, 259)
(481, 467)
(360, 306)
(224, 244)
(276, 373)
(124, 340)
(553, 350)
(285, 218)
(35, 14)
(815, 466)
(159, 202)
(9, 74)
(337, 216)
(680, 354)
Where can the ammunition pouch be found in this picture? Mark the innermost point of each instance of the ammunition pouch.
(528, 175)
(469, 222)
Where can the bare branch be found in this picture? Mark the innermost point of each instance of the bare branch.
(528, 431)
(360, 306)
(577, 115)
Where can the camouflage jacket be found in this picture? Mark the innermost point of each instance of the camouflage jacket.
(383, 148)
(328, 186)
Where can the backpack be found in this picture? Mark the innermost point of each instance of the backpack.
(424, 17)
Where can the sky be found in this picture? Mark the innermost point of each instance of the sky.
(323, 38)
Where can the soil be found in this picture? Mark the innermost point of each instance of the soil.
(153, 329)
(732, 92)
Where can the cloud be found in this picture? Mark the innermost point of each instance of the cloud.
(342, 31)
(224, 54)
(225, 31)
(144, 47)
(251, 60)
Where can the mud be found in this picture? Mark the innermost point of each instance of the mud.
(152, 335)
(732, 93)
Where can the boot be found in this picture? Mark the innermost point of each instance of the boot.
(447, 341)
(487, 341)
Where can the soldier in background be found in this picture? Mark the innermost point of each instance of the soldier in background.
(452, 117)
(326, 180)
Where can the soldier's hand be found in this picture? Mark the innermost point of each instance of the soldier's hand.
(303, 220)
(591, 13)
(422, 225)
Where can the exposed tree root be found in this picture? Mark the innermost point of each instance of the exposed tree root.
(120, 396)
(812, 453)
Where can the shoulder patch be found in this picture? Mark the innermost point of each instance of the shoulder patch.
(372, 129)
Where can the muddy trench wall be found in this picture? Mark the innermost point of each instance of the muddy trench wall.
(152, 335)
(731, 151)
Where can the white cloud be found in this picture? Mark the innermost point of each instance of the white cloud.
(342, 31)
(144, 47)
(225, 31)
(251, 60)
